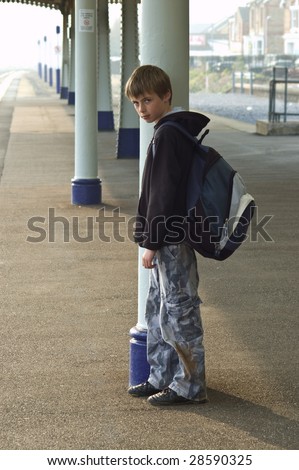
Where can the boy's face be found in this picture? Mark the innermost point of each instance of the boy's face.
(150, 107)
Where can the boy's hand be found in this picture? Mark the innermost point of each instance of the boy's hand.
(147, 259)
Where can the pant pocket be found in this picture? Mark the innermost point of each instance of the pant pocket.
(183, 318)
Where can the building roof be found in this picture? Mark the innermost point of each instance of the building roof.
(199, 28)
(244, 12)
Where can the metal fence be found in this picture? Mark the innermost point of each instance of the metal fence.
(280, 77)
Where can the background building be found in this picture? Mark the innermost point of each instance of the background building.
(263, 29)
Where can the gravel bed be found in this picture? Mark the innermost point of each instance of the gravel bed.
(247, 108)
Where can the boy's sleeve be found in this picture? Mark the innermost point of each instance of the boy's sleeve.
(165, 177)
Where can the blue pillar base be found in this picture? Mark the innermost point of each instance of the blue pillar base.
(40, 70)
(58, 90)
(64, 93)
(71, 97)
(128, 143)
(50, 76)
(46, 73)
(139, 367)
(105, 121)
(86, 191)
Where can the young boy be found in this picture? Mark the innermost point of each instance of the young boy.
(175, 349)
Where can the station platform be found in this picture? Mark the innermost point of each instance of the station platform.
(69, 295)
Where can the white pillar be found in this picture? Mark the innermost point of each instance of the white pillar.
(58, 57)
(45, 59)
(72, 80)
(164, 42)
(128, 134)
(65, 58)
(86, 186)
(40, 64)
(50, 61)
(105, 111)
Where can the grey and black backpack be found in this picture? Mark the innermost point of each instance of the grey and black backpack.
(219, 208)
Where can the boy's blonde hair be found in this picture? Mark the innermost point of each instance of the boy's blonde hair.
(148, 79)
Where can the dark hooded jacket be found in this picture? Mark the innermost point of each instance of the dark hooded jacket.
(162, 203)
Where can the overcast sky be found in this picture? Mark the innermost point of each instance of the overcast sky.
(22, 26)
(211, 11)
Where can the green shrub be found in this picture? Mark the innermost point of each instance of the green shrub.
(212, 82)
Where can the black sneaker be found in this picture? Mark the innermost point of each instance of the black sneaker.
(143, 390)
(170, 397)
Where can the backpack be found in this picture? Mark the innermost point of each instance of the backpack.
(219, 209)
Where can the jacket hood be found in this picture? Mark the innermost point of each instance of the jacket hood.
(193, 122)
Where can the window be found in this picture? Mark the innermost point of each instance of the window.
(290, 48)
(294, 17)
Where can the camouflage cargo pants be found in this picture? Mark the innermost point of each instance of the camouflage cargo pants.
(175, 348)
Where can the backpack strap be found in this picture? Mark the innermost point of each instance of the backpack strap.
(181, 129)
(204, 135)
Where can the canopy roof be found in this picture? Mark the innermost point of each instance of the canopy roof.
(63, 5)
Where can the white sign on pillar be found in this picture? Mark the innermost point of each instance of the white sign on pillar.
(86, 21)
